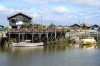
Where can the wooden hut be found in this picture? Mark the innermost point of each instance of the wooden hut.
(13, 19)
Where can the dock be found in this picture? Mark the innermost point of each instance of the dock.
(48, 36)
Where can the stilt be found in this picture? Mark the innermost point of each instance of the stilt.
(23, 37)
(32, 37)
(51, 38)
(19, 37)
(39, 37)
(47, 38)
(55, 34)
(9, 39)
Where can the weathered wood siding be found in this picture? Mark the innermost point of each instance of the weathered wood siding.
(19, 17)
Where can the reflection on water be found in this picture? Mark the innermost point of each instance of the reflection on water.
(75, 45)
(51, 55)
(83, 46)
(89, 46)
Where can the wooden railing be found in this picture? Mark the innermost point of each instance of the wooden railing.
(35, 30)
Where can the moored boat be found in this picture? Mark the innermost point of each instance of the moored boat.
(75, 40)
(27, 44)
(88, 40)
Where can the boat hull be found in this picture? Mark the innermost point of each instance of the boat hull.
(88, 41)
(27, 44)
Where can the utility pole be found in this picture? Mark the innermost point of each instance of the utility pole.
(41, 24)
(41, 21)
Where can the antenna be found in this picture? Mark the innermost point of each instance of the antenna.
(41, 19)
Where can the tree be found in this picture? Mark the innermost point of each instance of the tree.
(39, 26)
(52, 25)
(26, 25)
(31, 24)
(5, 28)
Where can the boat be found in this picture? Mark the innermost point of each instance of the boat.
(88, 40)
(27, 43)
(75, 40)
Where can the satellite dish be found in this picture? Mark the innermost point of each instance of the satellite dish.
(19, 23)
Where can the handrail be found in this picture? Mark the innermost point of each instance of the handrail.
(35, 30)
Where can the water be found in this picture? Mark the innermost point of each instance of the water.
(54, 55)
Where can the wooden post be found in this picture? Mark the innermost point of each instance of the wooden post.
(97, 35)
(69, 35)
(55, 36)
(55, 33)
(32, 37)
(47, 37)
(23, 37)
(19, 37)
(40, 37)
(51, 39)
(9, 38)
(85, 31)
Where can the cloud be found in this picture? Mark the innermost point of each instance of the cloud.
(61, 10)
(71, 11)
(2, 8)
(88, 3)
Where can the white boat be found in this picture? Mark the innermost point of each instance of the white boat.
(27, 43)
(89, 40)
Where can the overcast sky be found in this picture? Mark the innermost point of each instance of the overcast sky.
(59, 12)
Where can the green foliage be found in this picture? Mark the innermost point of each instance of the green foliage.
(5, 28)
(39, 26)
(26, 25)
(52, 25)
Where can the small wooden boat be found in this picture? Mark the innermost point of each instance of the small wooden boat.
(89, 40)
(75, 40)
(27, 43)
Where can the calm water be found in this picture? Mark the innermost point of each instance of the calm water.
(54, 55)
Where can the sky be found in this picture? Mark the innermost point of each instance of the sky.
(59, 12)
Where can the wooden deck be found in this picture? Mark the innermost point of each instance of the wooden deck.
(33, 30)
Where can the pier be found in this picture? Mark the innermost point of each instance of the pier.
(48, 36)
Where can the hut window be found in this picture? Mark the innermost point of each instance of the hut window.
(13, 20)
